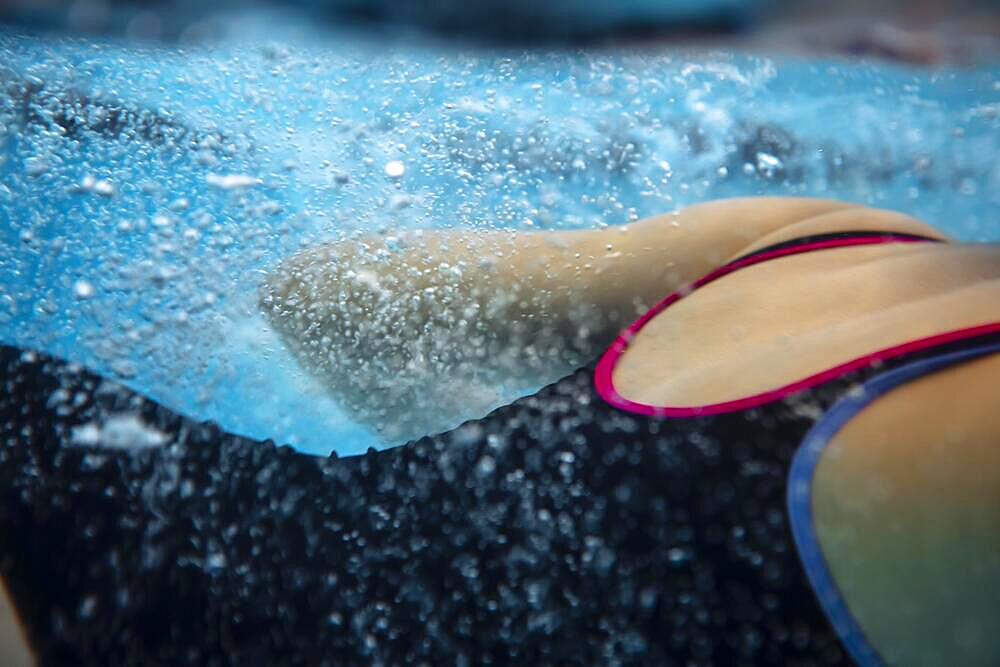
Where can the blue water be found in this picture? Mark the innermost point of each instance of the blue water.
(122, 252)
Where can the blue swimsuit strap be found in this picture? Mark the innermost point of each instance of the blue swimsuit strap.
(800, 478)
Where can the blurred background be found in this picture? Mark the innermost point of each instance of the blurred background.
(158, 158)
(918, 31)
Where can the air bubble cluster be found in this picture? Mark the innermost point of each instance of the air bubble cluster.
(146, 196)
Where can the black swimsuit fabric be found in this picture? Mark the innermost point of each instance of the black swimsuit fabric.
(556, 530)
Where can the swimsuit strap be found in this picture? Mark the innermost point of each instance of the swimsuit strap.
(603, 372)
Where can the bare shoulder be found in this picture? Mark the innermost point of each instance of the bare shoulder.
(381, 319)
(954, 412)
(906, 501)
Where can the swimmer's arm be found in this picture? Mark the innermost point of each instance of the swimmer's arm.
(413, 335)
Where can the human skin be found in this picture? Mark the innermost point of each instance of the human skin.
(777, 322)
(906, 501)
(14, 650)
(412, 335)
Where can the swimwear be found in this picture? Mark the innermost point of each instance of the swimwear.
(561, 529)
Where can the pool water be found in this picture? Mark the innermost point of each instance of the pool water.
(146, 190)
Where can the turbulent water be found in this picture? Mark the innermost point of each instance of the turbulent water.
(146, 190)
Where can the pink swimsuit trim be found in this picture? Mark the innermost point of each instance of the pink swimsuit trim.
(605, 367)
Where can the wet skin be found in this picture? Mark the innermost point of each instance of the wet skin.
(404, 336)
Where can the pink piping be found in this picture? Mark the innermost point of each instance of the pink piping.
(605, 367)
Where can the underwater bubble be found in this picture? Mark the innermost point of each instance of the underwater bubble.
(400, 201)
(88, 606)
(679, 555)
(97, 186)
(231, 181)
(35, 166)
(768, 164)
(486, 466)
(395, 169)
(216, 560)
(82, 289)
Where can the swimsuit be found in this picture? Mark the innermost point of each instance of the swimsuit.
(568, 527)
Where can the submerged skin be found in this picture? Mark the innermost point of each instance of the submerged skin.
(408, 346)
(14, 650)
(784, 320)
(412, 335)
(913, 541)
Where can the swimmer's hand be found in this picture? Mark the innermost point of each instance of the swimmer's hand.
(416, 333)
